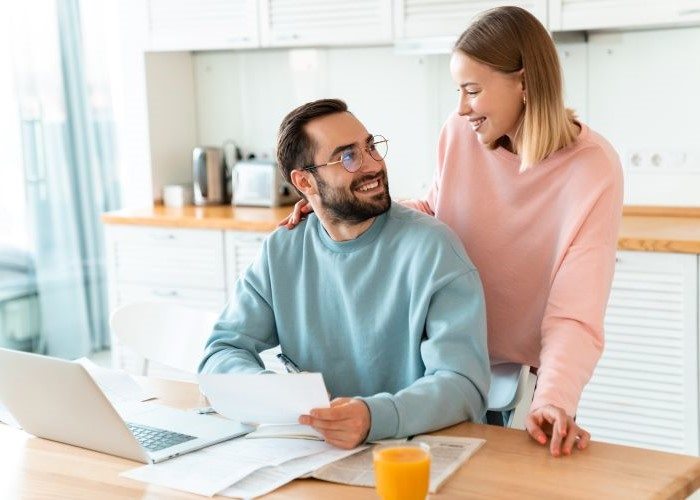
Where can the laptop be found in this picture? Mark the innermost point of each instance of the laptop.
(58, 400)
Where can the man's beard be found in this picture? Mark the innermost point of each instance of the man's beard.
(344, 206)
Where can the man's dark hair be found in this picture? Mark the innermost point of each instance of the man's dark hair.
(295, 149)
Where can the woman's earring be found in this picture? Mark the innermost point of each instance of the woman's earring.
(524, 99)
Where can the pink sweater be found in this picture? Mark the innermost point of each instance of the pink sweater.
(544, 243)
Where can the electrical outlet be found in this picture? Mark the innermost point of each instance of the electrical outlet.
(661, 159)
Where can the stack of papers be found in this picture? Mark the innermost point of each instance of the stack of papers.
(267, 479)
(247, 468)
(221, 467)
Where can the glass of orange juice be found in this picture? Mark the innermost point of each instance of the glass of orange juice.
(402, 470)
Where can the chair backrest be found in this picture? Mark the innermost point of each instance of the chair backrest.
(169, 334)
(512, 388)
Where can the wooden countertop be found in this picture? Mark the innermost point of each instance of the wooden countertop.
(654, 229)
(660, 229)
(213, 217)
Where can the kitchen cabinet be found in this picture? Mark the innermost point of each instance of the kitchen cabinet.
(288, 23)
(191, 267)
(644, 391)
(184, 266)
(202, 24)
(570, 15)
(415, 19)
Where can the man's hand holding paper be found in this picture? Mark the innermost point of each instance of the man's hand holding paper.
(345, 424)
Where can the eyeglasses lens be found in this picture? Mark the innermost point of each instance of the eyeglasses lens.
(351, 158)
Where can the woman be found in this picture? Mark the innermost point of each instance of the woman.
(536, 198)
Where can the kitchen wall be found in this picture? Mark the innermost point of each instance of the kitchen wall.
(643, 96)
(245, 95)
(637, 88)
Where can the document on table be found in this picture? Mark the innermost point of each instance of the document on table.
(447, 454)
(117, 385)
(291, 431)
(211, 470)
(266, 398)
(7, 418)
(267, 479)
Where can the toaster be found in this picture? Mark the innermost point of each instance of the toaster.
(260, 184)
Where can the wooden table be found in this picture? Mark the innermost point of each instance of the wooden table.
(509, 465)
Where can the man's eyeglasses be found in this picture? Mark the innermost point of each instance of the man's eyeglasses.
(351, 157)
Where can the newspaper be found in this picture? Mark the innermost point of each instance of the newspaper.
(447, 455)
(267, 479)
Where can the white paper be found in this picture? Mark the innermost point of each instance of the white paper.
(291, 431)
(447, 454)
(267, 479)
(117, 385)
(208, 471)
(268, 398)
(7, 418)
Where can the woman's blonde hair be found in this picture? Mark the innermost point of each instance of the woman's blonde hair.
(509, 39)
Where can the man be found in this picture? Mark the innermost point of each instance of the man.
(381, 299)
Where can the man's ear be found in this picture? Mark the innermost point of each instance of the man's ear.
(303, 180)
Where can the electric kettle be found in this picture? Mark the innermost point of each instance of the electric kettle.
(209, 174)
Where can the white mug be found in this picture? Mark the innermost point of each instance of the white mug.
(177, 195)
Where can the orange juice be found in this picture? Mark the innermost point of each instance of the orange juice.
(402, 472)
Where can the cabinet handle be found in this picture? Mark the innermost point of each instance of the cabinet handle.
(165, 293)
(238, 39)
(688, 12)
(293, 36)
(162, 237)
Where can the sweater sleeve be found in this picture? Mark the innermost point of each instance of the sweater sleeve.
(245, 328)
(455, 384)
(572, 326)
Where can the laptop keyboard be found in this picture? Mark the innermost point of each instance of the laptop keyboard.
(156, 439)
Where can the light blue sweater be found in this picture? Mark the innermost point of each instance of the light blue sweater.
(395, 317)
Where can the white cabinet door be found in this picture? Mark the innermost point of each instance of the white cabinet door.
(202, 24)
(644, 391)
(242, 247)
(325, 22)
(415, 19)
(187, 258)
(567, 15)
(182, 266)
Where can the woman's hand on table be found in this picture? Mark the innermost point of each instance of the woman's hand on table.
(552, 422)
(301, 210)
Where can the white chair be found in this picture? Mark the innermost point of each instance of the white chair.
(512, 389)
(164, 333)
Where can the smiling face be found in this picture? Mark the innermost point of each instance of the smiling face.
(346, 197)
(490, 99)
